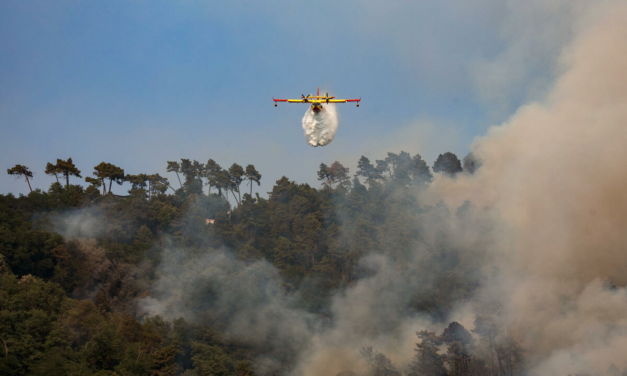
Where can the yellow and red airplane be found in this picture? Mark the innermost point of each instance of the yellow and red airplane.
(316, 101)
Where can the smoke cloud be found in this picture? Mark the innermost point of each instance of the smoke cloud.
(552, 178)
(320, 127)
(555, 171)
(249, 301)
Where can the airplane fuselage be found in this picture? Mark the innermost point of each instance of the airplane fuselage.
(316, 107)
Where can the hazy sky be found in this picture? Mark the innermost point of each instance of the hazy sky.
(138, 83)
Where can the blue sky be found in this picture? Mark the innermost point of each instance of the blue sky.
(138, 83)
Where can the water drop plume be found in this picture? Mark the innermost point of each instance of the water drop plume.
(320, 127)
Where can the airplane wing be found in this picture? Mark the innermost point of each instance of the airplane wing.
(343, 100)
(289, 100)
(310, 99)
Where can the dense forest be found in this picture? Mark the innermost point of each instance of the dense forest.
(87, 274)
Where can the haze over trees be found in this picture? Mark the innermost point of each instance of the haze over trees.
(71, 295)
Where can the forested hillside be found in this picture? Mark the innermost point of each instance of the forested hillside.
(101, 283)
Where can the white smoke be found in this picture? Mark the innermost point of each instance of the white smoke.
(320, 127)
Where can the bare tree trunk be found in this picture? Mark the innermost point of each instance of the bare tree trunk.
(177, 175)
(104, 187)
(29, 187)
(67, 181)
(110, 181)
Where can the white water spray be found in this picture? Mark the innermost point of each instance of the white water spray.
(320, 127)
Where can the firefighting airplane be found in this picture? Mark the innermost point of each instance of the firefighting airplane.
(316, 101)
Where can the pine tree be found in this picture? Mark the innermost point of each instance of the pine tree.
(212, 170)
(65, 169)
(447, 163)
(427, 361)
(175, 167)
(419, 171)
(52, 170)
(459, 340)
(236, 172)
(367, 170)
(324, 175)
(253, 176)
(163, 362)
(339, 174)
(19, 170)
(378, 363)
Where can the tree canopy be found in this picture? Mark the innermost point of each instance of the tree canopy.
(19, 170)
(447, 163)
(79, 266)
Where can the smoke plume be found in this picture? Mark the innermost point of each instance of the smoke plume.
(248, 298)
(555, 171)
(550, 252)
(320, 127)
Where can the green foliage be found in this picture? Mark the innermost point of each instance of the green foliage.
(65, 298)
(19, 170)
(253, 176)
(378, 364)
(427, 361)
(366, 170)
(29, 308)
(244, 368)
(334, 176)
(236, 174)
(211, 360)
(447, 163)
(193, 172)
(53, 170)
(175, 167)
(419, 171)
(63, 168)
(109, 171)
(25, 250)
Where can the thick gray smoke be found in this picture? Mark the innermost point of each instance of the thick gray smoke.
(320, 127)
(376, 311)
(556, 172)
